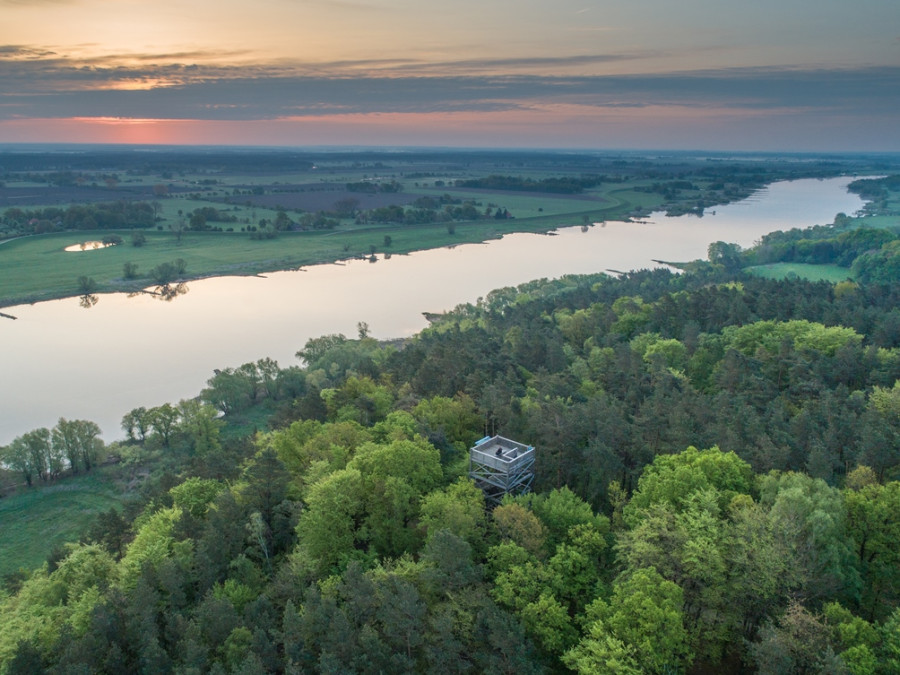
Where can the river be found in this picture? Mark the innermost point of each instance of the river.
(59, 359)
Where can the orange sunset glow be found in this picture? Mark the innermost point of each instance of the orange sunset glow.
(380, 72)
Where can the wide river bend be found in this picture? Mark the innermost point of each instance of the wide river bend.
(59, 359)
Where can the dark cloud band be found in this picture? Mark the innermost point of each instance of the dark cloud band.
(35, 82)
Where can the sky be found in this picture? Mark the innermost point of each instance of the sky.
(755, 75)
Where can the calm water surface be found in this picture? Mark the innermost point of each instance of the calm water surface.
(62, 360)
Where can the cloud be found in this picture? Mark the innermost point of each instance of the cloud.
(37, 82)
(198, 55)
(529, 63)
(80, 56)
(18, 52)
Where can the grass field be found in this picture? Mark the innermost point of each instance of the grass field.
(830, 273)
(37, 268)
(37, 520)
(886, 222)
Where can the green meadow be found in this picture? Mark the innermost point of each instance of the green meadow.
(830, 273)
(35, 268)
(38, 519)
(38, 267)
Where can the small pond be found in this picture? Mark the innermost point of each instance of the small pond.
(88, 246)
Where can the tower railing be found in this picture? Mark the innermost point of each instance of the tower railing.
(501, 466)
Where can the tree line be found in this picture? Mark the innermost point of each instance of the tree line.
(103, 216)
(44, 454)
(557, 185)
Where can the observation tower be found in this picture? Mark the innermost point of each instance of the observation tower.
(500, 466)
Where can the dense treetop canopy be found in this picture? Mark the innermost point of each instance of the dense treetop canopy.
(715, 484)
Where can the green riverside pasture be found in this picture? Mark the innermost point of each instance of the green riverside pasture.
(36, 520)
(38, 268)
(882, 221)
(830, 273)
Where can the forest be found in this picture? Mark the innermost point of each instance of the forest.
(715, 491)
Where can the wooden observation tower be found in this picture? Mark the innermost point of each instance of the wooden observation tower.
(501, 467)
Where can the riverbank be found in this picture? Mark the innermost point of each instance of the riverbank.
(34, 269)
(139, 351)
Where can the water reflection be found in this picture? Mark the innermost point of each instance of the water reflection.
(88, 300)
(169, 292)
(165, 292)
(233, 320)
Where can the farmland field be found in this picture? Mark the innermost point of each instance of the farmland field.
(232, 213)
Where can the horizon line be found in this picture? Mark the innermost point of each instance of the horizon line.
(151, 147)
